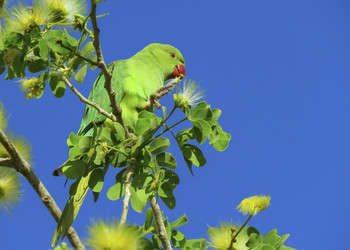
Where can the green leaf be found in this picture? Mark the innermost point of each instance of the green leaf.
(156, 242)
(10, 75)
(74, 153)
(80, 75)
(165, 190)
(105, 134)
(74, 169)
(147, 114)
(18, 67)
(142, 180)
(154, 119)
(149, 219)
(219, 139)
(51, 37)
(116, 191)
(85, 144)
(120, 130)
(201, 112)
(96, 180)
(139, 199)
(166, 159)
(37, 65)
(44, 49)
(74, 63)
(88, 49)
(93, 58)
(282, 240)
(142, 126)
(58, 87)
(170, 202)
(271, 238)
(100, 155)
(201, 130)
(73, 188)
(73, 140)
(71, 40)
(195, 244)
(216, 113)
(145, 243)
(255, 241)
(179, 222)
(170, 177)
(177, 235)
(158, 145)
(120, 161)
(164, 112)
(185, 135)
(194, 155)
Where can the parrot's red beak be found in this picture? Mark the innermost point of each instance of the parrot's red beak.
(180, 70)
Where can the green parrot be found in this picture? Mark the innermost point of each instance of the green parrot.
(133, 80)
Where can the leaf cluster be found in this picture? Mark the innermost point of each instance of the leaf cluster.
(270, 241)
(48, 54)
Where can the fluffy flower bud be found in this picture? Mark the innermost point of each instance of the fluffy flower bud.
(112, 236)
(32, 87)
(10, 192)
(254, 204)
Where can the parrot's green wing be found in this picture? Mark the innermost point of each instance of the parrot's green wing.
(133, 80)
(99, 95)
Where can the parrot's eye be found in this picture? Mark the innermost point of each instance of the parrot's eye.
(172, 55)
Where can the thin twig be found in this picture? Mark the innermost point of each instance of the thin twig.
(76, 53)
(87, 101)
(233, 240)
(6, 162)
(116, 109)
(23, 167)
(161, 227)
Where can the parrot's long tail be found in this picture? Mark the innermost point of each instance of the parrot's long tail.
(59, 171)
(71, 209)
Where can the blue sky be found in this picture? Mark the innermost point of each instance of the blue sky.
(279, 71)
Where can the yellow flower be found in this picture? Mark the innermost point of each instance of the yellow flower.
(23, 148)
(254, 204)
(3, 121)
(63, 246)
(189, 96)
(32, 87)
(64, 10)
(10, 191)
(220, 238)
(111, 235)
(22, 18)
(21, 145)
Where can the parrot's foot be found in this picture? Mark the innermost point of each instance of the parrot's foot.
(155, 96)
(154, 99)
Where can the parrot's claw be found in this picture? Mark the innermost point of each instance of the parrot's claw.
(155, 96)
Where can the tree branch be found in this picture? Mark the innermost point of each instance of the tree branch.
(87, 101)
(6, 162)
(161, 227)
(116, 109)
(23, 167)
(76, 53)
(127, 196)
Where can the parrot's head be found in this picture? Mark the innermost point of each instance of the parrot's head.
(169, 58)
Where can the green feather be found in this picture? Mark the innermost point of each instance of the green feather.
(133, 80)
